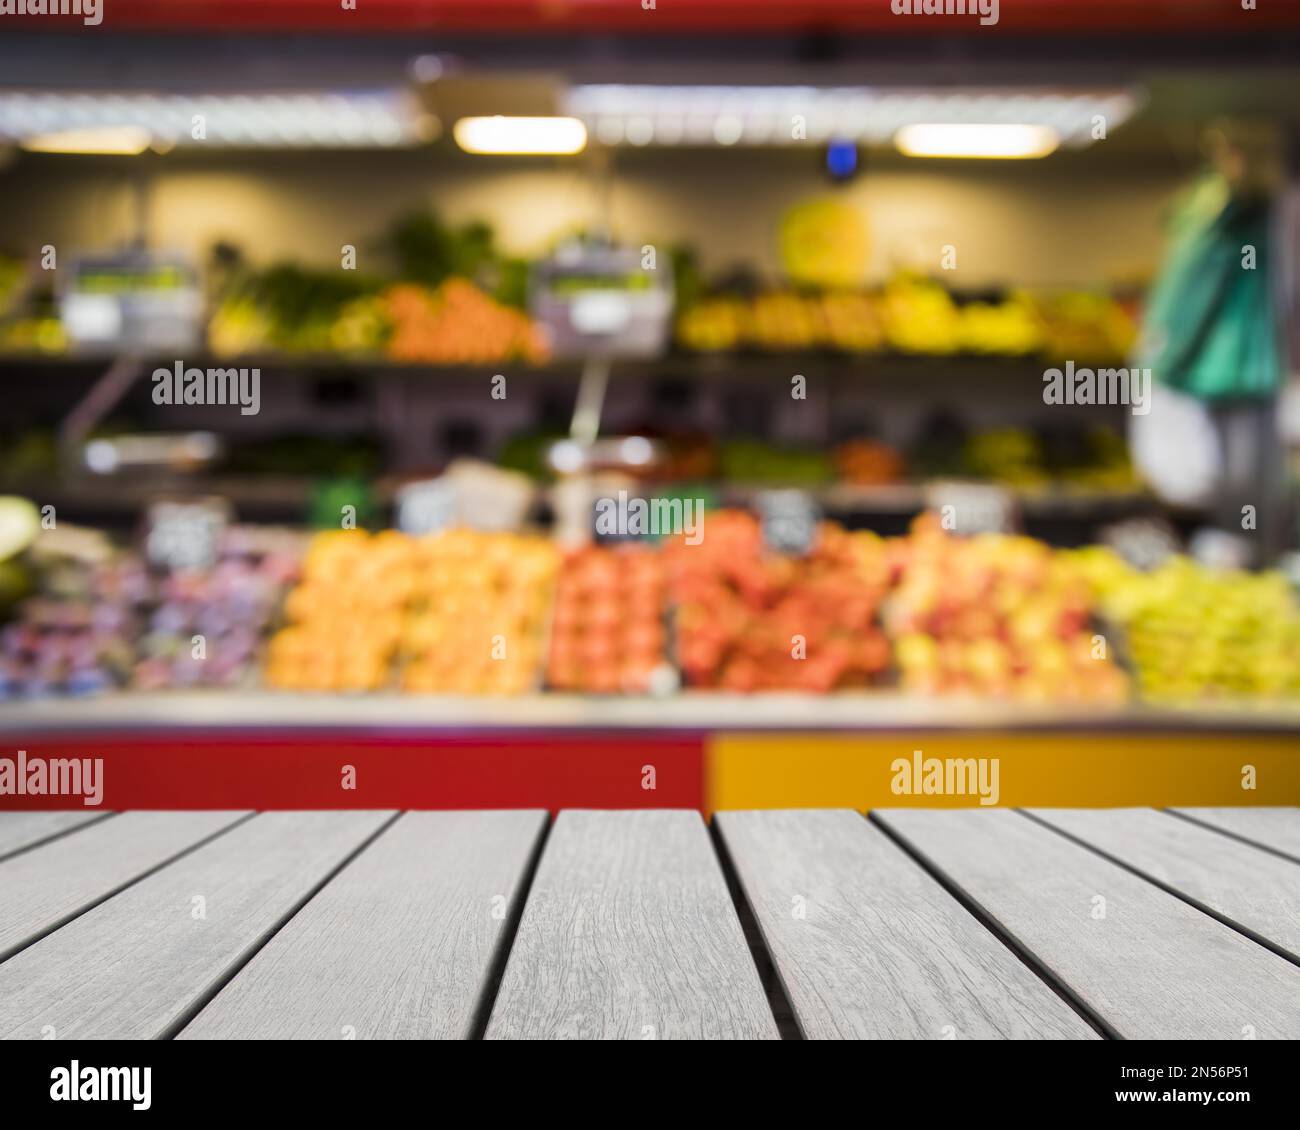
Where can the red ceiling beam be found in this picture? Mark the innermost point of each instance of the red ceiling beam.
(737, 16)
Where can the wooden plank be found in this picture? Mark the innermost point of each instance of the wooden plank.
(399, 945)
(1150, 965)
(1251, 887)
(629, 933)
(19, 830)
(46, 886)
(869, 946)
(1275, 828)
(136, 965)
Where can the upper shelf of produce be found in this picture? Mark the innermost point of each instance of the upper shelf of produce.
(451, 302)
(886, 367)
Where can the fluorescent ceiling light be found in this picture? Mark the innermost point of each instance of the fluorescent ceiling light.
(644, 114)
(126, 140)
(362, 119)
(987, 140)
(520, 136)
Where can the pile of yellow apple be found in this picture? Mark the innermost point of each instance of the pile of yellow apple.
(995, 616)
(458, 611)
(1193, 632)
(848, 321)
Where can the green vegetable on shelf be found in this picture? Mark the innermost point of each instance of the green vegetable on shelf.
(753, 462)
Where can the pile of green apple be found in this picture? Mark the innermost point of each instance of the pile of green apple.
(1193, 632)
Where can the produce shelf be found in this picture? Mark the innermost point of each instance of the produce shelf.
(885, 366)
(254, 491)
(183, 711)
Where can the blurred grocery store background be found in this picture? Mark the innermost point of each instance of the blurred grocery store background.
(806, 265)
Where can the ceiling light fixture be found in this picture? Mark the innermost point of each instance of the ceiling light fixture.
(869, 116)
(117, 140)
(976, 140)
(103, 121)
(521, 136)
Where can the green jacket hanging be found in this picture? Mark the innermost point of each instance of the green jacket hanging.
(1210, 327)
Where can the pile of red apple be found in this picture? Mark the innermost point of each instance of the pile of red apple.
(607, 628)
(750, 620)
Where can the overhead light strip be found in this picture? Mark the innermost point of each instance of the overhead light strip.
(298, 120)
(640, 115)
(536, 136)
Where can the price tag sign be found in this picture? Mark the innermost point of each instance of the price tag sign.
(1145, 543)
(789, 519)
(427, 507)
(621, 517)
(972, 508)
(186, 535)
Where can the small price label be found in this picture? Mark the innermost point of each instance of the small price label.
(427, 507)
(1144, 543)
(789, 519)
(972, 508)
(186, 535)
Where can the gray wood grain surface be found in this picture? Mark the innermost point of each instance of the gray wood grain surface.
(1276, 828)
(1251, 887)
(629, 932)
(870, 946)
(1146, 962)
(134, 966)
(19, 830)
(43, 887)
(398, 945)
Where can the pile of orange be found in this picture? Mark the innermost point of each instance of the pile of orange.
(458, 324)
(475, 622)
(344, 619)
(458, 611)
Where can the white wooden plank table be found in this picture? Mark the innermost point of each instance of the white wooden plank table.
(630, 933)
(1149, 964)
(134, 966)
(398, 946)
(1274, 828)
(19, 830)
(868, 946)
(927, 924)
(47, 885)
(1252, 889)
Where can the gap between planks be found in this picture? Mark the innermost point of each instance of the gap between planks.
(777, 998)
(113, 891)
(1199, 817)
(55, 833)
(1169, 889)
(506, 943)
(205, 998)
(1026, 956)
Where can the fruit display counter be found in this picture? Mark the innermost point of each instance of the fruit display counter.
(996, 617)
(472, 668)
